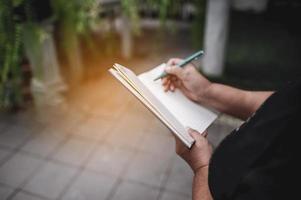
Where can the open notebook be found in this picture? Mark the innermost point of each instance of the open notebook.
(174, 109)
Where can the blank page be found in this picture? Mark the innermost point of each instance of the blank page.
(187, 112)
(139, 86)
(187, 140)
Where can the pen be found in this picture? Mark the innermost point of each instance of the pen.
(184, 62)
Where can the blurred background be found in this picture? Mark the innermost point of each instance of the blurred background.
(68, 130)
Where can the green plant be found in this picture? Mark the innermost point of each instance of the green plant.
(17, 17)
(74, 18)
(10, 54)
(197, 28)
(168, 8)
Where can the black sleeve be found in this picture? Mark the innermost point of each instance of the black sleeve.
(259, 160)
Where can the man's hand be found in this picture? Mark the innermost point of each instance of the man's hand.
(200, 153)
(187, 79)
(226, 99)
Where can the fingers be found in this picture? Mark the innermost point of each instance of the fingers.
(170, 83)
(174, 70)
(174, 61)
(196, 135)
(181, 149)
(204, 134)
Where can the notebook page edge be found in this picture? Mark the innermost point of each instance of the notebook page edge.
(131, 76)
(150, 107)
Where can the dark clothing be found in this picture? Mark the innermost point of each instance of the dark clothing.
(261, 159)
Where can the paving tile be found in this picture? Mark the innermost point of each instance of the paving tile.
(148, 168)
(157, 143)
(109, 87)
(133, 191)
(74, 151)
(90, 186)
(174, 196)
(17, 169)
(217, 132)
(44, 143)
(5, 191)
(93, 128)
(47, 116)
(128, 131)
(25, 196)
(181, 177)
(110, 105)
(3, 154)
(50, 180)
(155, 125)
(14, 136)
(109, 159)
(65, 123)
(3, 125)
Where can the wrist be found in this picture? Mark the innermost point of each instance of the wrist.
(201, 169)
(204, 94)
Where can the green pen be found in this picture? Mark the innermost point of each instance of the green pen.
(184, 62)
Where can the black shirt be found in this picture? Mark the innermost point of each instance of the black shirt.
(261, 159)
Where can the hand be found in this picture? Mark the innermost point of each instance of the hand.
(200, 153)
(187, 79)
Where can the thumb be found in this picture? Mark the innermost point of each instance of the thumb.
(174, 70)
(196, 135)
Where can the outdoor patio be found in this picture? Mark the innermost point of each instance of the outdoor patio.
(105, 145)
(80, 135)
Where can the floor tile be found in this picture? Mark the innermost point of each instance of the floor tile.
(217, 132)
(90, 186)
(74, 151)
(109, 159)
(50, 180)
(25, 196)
(93, 128)
(157, 143)
(14, 136)
(3, 154)
(133, 191)
(3, 125)
(128, 131)
(44, 143)
(65, 124)
(180, 178)
(148, 168)
(17, 169)
(110, 105)
(5, 191)
(174, 196)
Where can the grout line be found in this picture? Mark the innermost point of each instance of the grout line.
(80, 170)
(13, 194)
(28, 193)
(11, 153)
(120, 176)
(17, 149)
(44, 163)
(164, 181)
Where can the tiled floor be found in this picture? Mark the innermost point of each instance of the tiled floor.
(104, 146)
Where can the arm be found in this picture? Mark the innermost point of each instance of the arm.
(198, 158)
(200, 188)
(226, 99)
(233, 101)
